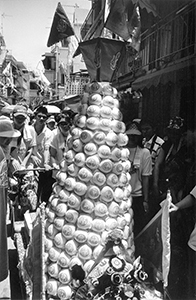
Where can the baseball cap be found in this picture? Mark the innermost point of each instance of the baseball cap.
(20, 110)
(63, 118)
(51, 119)
(133, 129)
(7, 128)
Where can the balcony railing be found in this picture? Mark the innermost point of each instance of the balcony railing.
(172, 39)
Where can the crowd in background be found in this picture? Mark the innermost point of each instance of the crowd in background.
(158, 164)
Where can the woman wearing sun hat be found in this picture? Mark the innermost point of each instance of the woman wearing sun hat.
(141, 170)
(7, 132)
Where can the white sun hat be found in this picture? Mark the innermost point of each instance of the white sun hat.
(7, 129)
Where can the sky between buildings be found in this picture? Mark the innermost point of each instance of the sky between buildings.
(25, 25)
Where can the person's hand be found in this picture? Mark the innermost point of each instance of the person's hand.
(47, 167)
(36, 160)
(146, 207)
(55, 166)
(22, 167)
(173, 207)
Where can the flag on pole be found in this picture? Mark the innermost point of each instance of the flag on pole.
(124, 20)
(7, 70)
(149, 6)
(61, 27)
(117, 20)
(165, 234)
(134, 28)
(72, 47)
(3, 50)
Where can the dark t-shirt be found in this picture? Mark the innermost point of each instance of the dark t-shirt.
(175, 166)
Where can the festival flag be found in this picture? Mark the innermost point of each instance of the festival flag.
(72, 47)
(117, 20)
(149, 6)
(165, 234)
(3, 50)
(124, 20)
(134, 28)
(61, 27)
(40, 71)
(153, 244)
(7, 70)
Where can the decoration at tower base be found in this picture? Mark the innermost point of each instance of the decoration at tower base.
(89, 241)
(112, 276)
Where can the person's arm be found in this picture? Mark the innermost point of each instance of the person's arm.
(53, 153)
(145, 190)
(156, 170)
(186, 202)
(47, 142)
(159, 161)
(47, 159)
(27, 157)
(145, 176)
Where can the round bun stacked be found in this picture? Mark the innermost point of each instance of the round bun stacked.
(92, 194)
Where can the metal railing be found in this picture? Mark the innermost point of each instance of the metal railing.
(170, 40)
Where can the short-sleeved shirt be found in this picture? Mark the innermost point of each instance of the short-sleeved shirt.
(59, 143)
(43, 141)
(27, 141)
(141, 166)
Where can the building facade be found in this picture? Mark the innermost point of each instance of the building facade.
(162, 73)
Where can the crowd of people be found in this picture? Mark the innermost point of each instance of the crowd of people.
(158, 164)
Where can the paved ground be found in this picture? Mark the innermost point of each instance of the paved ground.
(12, 285)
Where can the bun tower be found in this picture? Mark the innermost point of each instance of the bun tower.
(91, 198)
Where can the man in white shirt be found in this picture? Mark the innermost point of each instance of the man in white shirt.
(42, 155)
(151, 140)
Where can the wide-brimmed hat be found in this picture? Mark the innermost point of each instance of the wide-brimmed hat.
(7, 129)
(133, 130)
(20, 110)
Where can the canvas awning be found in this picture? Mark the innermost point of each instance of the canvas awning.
(180, 73)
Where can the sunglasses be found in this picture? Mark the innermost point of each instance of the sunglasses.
(42, 117)
(64, 124)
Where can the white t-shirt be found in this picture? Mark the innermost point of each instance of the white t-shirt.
(59, 143)
(43, 143)
(141, 166)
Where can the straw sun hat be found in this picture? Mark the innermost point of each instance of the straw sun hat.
(7, 129)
